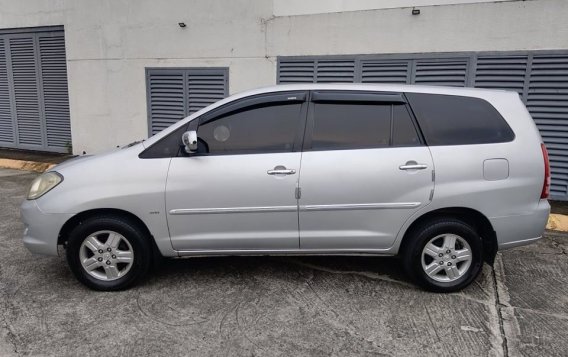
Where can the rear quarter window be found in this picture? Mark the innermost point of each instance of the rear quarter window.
(457, 120)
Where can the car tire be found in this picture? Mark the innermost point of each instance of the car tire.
(109, 253)
(433, 263)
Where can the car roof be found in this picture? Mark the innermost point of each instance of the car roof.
(383, 87)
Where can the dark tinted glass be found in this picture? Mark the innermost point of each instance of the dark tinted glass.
(167, 147)
(345, 126)
(455, 120)
(259, 129)
(403, 133)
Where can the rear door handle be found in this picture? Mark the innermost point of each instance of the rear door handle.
(412, 166)
(281, 172)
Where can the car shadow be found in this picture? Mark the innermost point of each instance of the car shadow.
(378, 268)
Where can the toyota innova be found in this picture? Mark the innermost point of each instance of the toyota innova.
(441, 177)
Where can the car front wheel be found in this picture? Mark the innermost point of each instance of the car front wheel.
(108, 253)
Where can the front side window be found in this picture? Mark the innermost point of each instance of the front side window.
(257, 129)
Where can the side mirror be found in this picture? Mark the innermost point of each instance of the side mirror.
(189, 139)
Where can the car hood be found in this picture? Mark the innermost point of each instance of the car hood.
(83, 159)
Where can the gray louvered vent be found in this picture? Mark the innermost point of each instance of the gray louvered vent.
(443, 72)
(335, 71)
(501, 72)
(296, 72)
(174, 93)
(6, 124)
(385, 71)
(548, 103)
(323, 71)
(54, 85)
(204, 88)
(34, 103)
(166, 92)
(22, 54)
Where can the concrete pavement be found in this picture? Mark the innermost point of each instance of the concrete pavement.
(266, 306)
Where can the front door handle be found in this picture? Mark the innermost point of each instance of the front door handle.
(281, 172)
(413, 165)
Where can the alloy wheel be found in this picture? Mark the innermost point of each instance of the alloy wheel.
(446, 258)
(106, 255)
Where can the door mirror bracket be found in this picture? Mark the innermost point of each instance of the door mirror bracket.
(189, 139)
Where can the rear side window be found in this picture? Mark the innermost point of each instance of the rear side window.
(341, 126)
(457, 120)
(344, 126)
(403, 132)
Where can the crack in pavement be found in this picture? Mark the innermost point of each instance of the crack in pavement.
(499, 303)
(509, 319)
(366, 274)
(540, 312)
(378, 277)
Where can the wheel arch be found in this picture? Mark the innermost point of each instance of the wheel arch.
(114, 212)
(474, 218)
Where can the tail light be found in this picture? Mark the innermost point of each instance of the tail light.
(546, 185)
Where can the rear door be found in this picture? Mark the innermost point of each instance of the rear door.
(365, 171)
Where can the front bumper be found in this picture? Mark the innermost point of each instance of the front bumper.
(515, 231)
(41, 230)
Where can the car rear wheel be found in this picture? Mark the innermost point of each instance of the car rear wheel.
(108, 253)
(444, 255)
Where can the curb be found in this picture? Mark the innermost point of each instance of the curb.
(25, 165)
(556, 222)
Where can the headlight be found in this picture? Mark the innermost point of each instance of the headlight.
(43, 183)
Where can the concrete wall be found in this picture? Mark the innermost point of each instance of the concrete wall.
(111, 42)
(503, 26)
(303, 7)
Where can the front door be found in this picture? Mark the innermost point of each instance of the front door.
(364, 172)
(238, 192)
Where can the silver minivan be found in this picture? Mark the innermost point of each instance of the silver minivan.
(441, 177)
